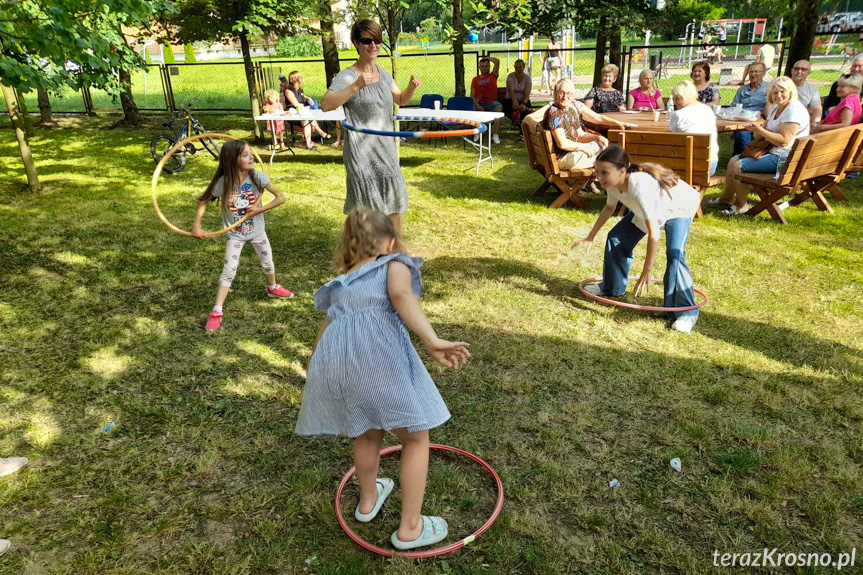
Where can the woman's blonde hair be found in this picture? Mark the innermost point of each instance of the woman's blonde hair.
(610, 68)
(786, 84)
(271, 95)
(294, 79)
(361, 237)
(853, 80)
(685, 90)
(644, 73)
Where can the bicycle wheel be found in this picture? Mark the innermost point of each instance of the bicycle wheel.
(209, 143)
(159, 146)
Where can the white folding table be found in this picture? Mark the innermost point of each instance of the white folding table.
(484, 144)
(307, 115)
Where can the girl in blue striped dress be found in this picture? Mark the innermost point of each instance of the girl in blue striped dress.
(366, 378)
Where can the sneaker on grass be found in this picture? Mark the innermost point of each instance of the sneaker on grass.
(214, 321)
(279, 292)
(684, 323)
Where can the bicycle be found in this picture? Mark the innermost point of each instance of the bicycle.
(189, 125)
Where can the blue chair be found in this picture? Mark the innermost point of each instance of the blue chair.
(461, 104)
(428, 102)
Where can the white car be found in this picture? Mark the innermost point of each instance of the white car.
(842, 22)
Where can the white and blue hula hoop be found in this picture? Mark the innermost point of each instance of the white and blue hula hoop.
(478, 128)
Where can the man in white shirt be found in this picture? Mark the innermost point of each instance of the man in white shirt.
(806, 92)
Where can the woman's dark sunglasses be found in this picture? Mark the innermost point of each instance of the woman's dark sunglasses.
(367, 41)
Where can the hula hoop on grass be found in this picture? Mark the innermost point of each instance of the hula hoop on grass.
(158, 171)
(429, 552)
(623, 304)
(478, 128)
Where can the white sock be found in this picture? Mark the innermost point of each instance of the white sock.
(272, 287)
(217, 308)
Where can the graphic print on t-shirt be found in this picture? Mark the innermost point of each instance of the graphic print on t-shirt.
(240, 203)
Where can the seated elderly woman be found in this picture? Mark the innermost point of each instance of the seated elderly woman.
(849, 110)
(646, 96)
(787, 120)
(574, 146)
(693, 117)
(605, 98)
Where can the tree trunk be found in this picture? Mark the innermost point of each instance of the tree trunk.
(328, 43)
(44, 108)
(601, 39)
(458, 46)
(250, 82)
(26, 120)
(131, 116)
(393, 33)
(23, 144)
(802, 34)
(615, 56)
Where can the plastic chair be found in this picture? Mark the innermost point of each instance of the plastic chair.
(461, 104)
(428, 102)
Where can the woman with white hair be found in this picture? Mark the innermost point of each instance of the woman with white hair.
(646, 96)
(849, 109)
(693, 117)
(787, 121)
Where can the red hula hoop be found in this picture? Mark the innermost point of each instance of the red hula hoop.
(429, 552)
(616, 303)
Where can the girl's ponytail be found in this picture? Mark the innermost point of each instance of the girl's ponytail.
(617, 156)
(667, 178)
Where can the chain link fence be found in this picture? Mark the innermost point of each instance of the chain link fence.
(576, 64)
(673, 63)
(832, 55)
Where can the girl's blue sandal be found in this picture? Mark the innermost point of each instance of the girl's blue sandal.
(385, 487)
(435, 530)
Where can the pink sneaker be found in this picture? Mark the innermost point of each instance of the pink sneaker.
(279, 292)
(214, 321)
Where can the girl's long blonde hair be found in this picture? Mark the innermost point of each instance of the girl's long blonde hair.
(361, 237)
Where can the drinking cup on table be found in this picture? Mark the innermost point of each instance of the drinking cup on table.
(716, 109)
(437, 104)
(300, 108)
(656, 115)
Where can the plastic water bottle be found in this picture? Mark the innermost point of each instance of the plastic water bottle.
(779, 165)
(670, 110)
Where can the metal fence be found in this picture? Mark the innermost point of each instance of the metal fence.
(832, 55)
(222, 86)
(672, 63)
(576, 64)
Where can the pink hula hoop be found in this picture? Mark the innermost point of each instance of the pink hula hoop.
(617, 303)
(429, 552)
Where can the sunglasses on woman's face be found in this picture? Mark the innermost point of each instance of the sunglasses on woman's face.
(367, 41)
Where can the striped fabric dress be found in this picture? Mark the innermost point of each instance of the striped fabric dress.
(365, 373)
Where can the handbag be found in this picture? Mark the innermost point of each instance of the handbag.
(756, 149)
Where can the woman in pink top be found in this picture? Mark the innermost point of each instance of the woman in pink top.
(645, 96)
(849, 110)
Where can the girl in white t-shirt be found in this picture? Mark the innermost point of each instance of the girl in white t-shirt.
(657, 199)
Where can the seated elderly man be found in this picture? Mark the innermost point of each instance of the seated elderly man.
(574, 146)
(806, 92)
(752, 97)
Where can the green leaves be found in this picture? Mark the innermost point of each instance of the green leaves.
(51, 43)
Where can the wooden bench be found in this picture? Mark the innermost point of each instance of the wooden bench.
(688, 155)
(540, 153)
(856, 166)
(814, 165)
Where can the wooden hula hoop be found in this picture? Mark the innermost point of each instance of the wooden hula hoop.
(626, 305)
(158, 172)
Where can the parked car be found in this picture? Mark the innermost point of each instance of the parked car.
(841, 22)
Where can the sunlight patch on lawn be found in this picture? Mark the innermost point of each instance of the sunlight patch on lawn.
(73, 259)
(108, 363)
(261, 386)
(42, 430)
(271, 356)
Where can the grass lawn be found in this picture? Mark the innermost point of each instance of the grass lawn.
(101, 319)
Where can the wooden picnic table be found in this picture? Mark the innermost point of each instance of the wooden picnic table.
(645, 122)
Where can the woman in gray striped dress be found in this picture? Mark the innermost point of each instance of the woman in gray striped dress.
(365, 377)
